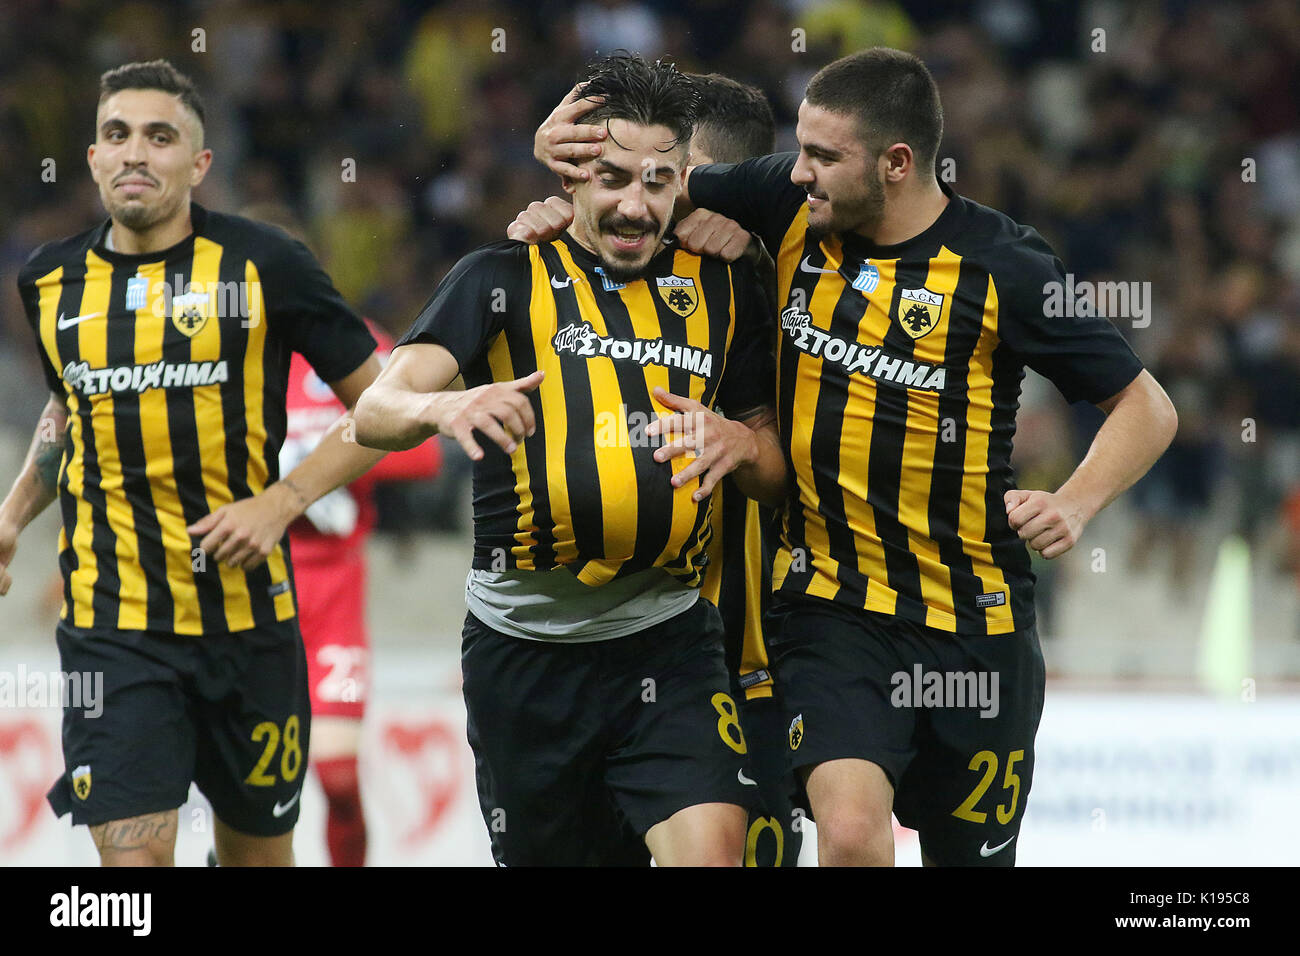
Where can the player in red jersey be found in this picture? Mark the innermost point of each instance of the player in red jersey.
(328, 544)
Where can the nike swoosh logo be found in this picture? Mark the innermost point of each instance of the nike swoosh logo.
(279, 811)
(986, 850)
(568, 281)
(66, 323)
(806, 266)
(740, 775)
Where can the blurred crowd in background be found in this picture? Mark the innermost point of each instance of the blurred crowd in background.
(1148, 142)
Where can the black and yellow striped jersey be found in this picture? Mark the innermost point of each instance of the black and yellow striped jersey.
(738, 581)
(584, 491)
(898, 380)
(174, 367)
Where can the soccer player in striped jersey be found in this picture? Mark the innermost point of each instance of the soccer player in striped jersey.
(165, 335)
(903, 628)
(735, 123)
(595, 683)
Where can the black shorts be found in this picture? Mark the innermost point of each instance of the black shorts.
(950, 718)
(228, 711)
(580, 749)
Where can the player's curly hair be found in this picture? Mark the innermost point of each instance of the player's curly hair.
(649, 94)
(152, 75)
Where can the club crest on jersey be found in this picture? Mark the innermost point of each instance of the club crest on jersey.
(190, 312)
(919, 311)
(81, 781)
(678, 294)
(796, 732)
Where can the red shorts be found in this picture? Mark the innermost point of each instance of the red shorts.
(331, 615)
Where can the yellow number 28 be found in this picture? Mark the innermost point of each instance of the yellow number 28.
(290, 756)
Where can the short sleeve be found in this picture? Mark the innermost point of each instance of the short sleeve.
(756, 193)
(469, 307)
(304, 308)
(31, 306)
(1082, 355)
(749, 378)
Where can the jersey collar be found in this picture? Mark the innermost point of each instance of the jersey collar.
(198, 219)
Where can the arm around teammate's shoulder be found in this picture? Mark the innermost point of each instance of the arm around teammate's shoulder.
(757, 193)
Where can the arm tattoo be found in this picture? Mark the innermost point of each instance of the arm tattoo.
(297, 491)
(49, 453)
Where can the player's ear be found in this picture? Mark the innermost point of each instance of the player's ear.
(570, 186)
(202, 163)
(896, 161)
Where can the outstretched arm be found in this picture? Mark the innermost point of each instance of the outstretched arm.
(1140, 424)
(409, 402)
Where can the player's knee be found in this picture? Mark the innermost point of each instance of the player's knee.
(715, 849)
(152, 855)
(706, 835)
(725, 848)
(719, 851)
(855, 837)
(718, 857)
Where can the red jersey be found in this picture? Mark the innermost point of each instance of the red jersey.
(312, 408)
(328, 545)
